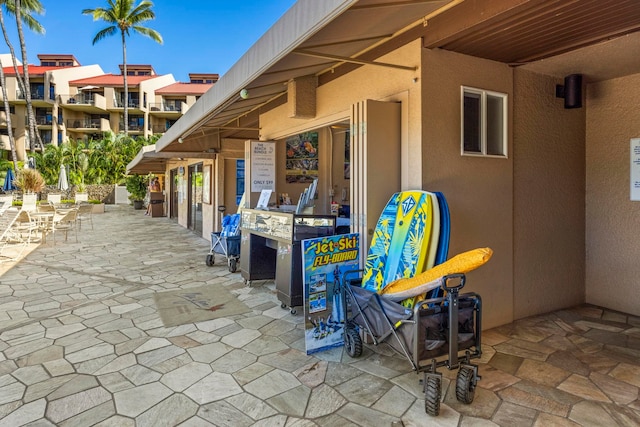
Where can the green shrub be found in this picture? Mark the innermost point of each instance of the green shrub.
(136, 186)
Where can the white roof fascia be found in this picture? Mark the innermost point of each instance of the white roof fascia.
(140, 155)
(300, 22)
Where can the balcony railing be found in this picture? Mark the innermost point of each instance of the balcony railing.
(80, 99)
(83, 123)
(119, 103)
(136, 127)
(177, 107)
(37, 95)
(159, 128)
(41, 120)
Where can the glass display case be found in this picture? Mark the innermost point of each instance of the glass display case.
(270, 249)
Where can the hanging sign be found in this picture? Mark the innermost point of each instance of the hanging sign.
(263, 166)
(324, 261)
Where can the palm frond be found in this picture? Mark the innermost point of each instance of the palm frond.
(153, 34)
(27, 9)
(105, 32)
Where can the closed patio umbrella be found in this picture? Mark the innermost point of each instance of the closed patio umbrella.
(63, 183)
(8, 181)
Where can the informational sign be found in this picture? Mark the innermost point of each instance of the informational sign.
(635, 169)
(263, 166)
(324, 261)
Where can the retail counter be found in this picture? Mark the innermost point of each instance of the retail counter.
(270, 249)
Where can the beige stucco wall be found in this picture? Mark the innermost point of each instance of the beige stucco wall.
(479, 190)
(334, 101)
(548, 188)
(612, 220)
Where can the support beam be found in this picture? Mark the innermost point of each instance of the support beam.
(352, 60)
(301, 97)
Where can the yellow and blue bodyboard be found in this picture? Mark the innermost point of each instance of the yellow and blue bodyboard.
(400, 245)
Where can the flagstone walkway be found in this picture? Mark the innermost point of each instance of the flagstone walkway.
(82, 344)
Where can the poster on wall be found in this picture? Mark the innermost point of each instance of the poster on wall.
(302, 158)
(635, 169)
(324, 261)
(263, 166)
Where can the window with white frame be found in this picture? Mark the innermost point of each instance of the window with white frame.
(484, 123)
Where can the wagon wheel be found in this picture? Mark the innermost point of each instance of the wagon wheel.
(210, 260)
(432, 396)
(353, 342)
(233, 265)
(465, 385)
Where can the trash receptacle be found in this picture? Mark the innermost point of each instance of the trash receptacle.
(157, 204)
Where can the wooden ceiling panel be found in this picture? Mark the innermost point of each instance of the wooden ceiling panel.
(531, 30)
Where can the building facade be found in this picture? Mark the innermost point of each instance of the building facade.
(463, 97)
(72, 101)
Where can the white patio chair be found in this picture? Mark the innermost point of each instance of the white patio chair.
(25, 225)
(17, 230)
(8, 242)
(85, 213)
(6, 201)
(54, 199)
(29, 202)
(64, 223)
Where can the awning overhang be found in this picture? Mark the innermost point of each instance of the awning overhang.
(329, 38)
(148, 160)
(311, 38)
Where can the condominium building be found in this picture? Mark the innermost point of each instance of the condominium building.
(47, 79)
(172, 101)
(72, 101)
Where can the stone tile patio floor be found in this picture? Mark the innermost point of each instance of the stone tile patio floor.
(81, 344)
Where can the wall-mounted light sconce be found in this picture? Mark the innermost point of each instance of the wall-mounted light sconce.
(244, 94)
(571, 91)
(180, 140)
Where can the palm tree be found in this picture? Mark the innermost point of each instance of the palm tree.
(22, 11)
(27, 6)
(7, 109)
(126, 16)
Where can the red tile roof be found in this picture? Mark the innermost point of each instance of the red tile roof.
(179, 88)
(33, 70)
(110, 80)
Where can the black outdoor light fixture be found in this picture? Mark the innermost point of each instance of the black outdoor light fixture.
(571, 91)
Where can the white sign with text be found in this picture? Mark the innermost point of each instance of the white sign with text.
(635, 169)
(263, 166)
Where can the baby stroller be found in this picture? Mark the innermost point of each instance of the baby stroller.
(226, 242)
(437, 327)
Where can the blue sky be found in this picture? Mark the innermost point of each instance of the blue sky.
(200, 36)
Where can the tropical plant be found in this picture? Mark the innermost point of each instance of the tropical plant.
(29, 181)
(137, 187)
(102, 161)
(125, 16)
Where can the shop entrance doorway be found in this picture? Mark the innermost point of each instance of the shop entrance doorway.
(194, 221)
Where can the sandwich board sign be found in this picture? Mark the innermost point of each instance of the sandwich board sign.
(324, 261)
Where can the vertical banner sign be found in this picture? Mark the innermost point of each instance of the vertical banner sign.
(324, 261)
(263, 166)
(635, 169)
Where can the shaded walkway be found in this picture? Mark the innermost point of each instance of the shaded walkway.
(81, 343)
